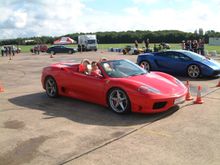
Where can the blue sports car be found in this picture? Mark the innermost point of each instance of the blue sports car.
(179, 62)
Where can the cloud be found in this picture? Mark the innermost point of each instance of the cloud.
(42, 17)
(145, 1)
(60, 17)
(132, 11)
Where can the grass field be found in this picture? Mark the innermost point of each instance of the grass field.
(26, 48)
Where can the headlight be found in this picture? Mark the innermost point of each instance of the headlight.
(147, 89)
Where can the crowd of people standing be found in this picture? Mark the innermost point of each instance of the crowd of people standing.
(7, 50)
(197, 46)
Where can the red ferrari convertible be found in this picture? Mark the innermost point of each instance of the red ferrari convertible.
(123, 86)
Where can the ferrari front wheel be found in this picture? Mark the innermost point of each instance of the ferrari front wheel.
(193, 71)
(119, 101)
(51, 87)
(146, 65)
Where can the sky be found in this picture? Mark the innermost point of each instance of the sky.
(28, 18)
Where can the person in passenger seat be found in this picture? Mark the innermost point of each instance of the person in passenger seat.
(95, 70)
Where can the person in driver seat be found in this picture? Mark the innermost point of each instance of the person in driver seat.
(95, 70)
(83, 66)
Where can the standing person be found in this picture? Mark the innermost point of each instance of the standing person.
(199, 46)
(183, 46)
(13, 51)
(187, 45)
(190, 45)
(147, 43)
(194, 46)
(136, 44)
(38, 49)
(6, 51)
(202, 47)
(9, 52)
(2, 50)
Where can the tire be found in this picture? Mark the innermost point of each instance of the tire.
(193, 71)
(51, 87)
(70, 52)
(146, 65)
(118, 101)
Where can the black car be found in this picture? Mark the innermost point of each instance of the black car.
(60, 49)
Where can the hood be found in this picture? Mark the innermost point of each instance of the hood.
(211, 63)
(170, 87)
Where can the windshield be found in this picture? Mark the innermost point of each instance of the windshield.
(122, 68)
(91, 41)
(194, 56)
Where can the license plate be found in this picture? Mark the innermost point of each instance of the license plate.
(179, 100)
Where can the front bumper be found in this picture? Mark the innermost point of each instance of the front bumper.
(142, 104)
(216, 72)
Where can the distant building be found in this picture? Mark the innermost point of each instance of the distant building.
(28, 41)
(214, 41)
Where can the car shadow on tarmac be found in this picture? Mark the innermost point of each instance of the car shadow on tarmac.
(83, 112)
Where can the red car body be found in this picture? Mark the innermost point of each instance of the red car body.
(73, 84)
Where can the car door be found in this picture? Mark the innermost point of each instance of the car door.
(161, 60)
(172, 62)
(87, 87)
(59, 49)
(55, 49)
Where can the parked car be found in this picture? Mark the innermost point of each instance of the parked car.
(60, 49)
(180, 62)
(41, 48)
(131, 50)
(123, 87)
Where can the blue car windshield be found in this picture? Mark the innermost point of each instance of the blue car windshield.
(122, 68)
(194, 56)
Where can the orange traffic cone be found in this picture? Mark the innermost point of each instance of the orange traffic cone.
(188, 95)
(218, 85)
(1, 88)
(199, 97)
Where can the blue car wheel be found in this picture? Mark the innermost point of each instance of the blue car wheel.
(146, 65)
(193, 71)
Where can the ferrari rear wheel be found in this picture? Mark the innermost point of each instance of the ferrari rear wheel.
(51, 87)
(119, 101)
(146, 65)
(193, 71)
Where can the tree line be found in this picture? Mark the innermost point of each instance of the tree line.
(169, 36)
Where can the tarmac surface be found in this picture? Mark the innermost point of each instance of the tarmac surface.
(35, 129)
